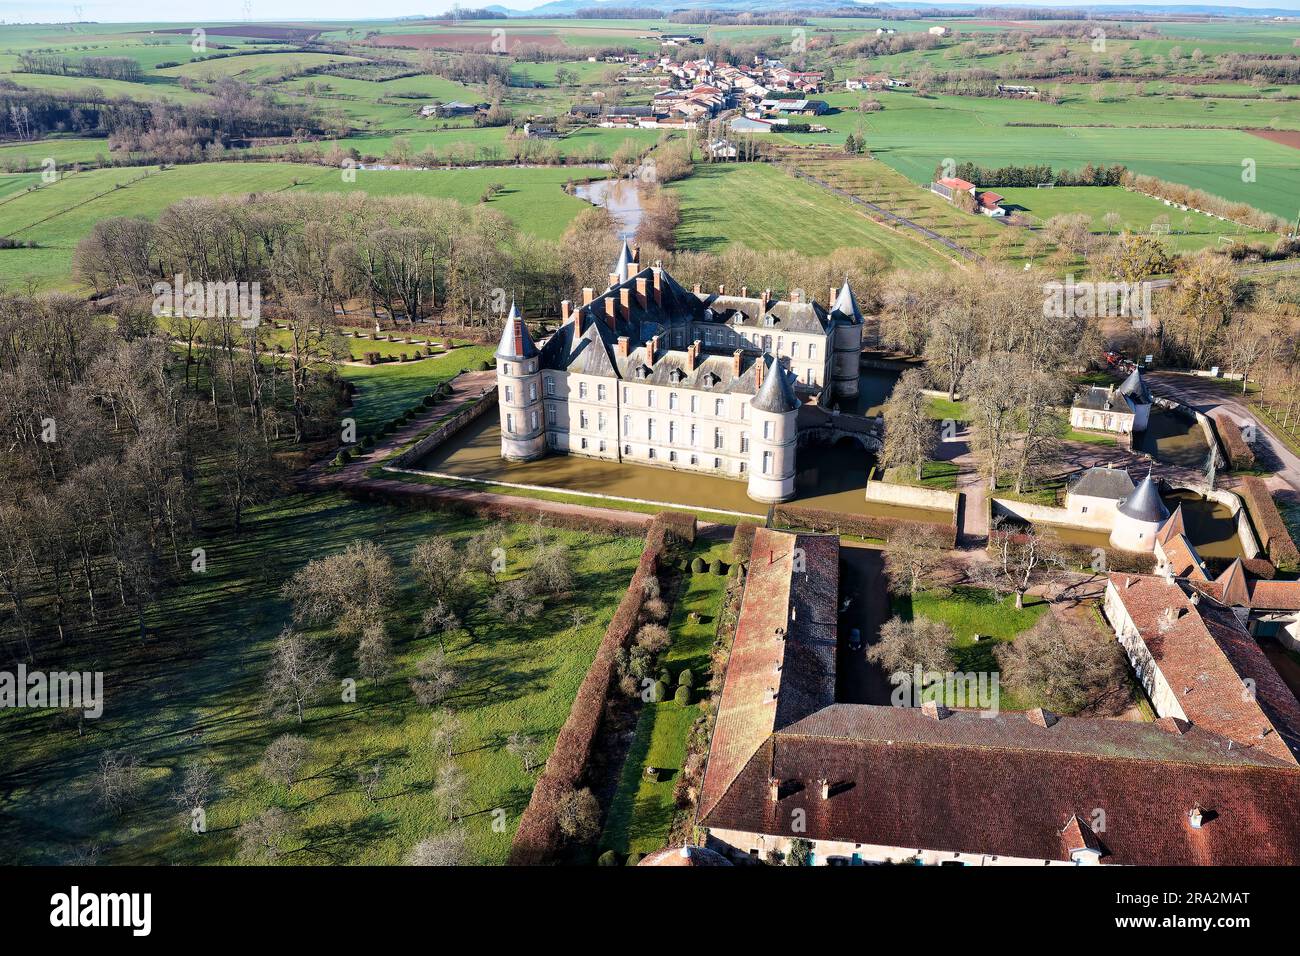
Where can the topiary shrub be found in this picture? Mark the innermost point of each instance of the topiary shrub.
(343, 457)
(686, 678)
(484, 366)
(665, 678)
(683, 695)
(698, 566)
(608, 858)
(634, 858)
(661, 691)
(717, 567)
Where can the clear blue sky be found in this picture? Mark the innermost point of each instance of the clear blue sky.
(215, 11)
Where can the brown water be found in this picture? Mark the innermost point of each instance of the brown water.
(1174, 439)
(1210, 527)
(834, 478)
(620, 196)
(874, 388)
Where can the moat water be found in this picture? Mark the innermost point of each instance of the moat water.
(620, 196)
(1174, 439)
(833, 478)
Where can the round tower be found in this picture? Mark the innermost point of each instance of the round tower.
(847, 343)
(519, 392)
(1138, 518)
(774, 432)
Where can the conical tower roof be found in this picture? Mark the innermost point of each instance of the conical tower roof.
(776, 393)
(516, 342)
(846, 306)
(1145, 504)
(1135, 387)
(623, 267)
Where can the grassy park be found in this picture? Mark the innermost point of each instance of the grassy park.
(193, 692)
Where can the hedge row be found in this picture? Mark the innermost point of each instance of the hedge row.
(1274, 536)
(742, 541)
(865, 526)
(538, 838)
(1240, 455)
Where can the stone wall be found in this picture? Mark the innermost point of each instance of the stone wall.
(892, 493)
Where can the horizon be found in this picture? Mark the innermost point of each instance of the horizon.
(314, 11)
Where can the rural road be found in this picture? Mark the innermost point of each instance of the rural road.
(1207, 395)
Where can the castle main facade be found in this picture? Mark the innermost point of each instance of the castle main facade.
(649, 373)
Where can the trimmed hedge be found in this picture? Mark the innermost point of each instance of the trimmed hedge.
(1241, 457)
(742, 540)
(1273, 534)
(538, 838)
(864, 526)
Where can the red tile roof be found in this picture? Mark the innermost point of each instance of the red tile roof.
(782, 665)
(952, 182)
(1003, 786)
(1217, 672)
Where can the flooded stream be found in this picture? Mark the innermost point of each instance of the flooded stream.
(620, 196)
(1173, 438)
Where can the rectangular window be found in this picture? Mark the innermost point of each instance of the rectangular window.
(719, 407)
(600, 422)
(812, 351)
(582, 420)
(532, 419)
(672, 456)
(767, 430)
(650, 453)
(717, 438)
(717, 463)
(532, 391)
(600, 392)
(584, 444)
(506, 368)
(694, 440)
(649, 399)
(510, 423)
(650, 429)
(627, 395)
(695, 459)
(582, 389)
(510, 394)
(550, 388)
(767, 462)
(602, 444)
(794, 350)
(695, 404)
(627, 426)
(744, 442)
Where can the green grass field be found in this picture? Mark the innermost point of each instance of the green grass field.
(642, 810)
(385, 391)
(195, 694)
(59, 215)
(763, 207)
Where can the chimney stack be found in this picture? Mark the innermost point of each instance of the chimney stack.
(736, 358)
(758, 374)
(640, 292)
(744, 292)
(825, 788)
(1196, 817)
(577, 322)
(588, 294)
(635, 266)
(693, 356)
(611, 311)
(767, 296)
(564, 309)
(794, 295)
(613, 279)
(651, 348)
(659, 295)
(773, 789)
(625, 302)
(722, 289)
(622, 346)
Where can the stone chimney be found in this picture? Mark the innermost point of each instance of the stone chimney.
(625, 302)
(635, 265)
(659, 289)
(722, 289)
(588, 294)
(932, 710)
(577, 322)
(759, 369)
(767, 296)
(736, 358)
(623, 346)
(564, 309)
(611, 311)
(830, 301)
(651, 348)
(613, 279)
(641, 292)
(794, 295)
(744, 292)
(693, 355)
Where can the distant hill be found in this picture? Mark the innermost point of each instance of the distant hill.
(561, 8)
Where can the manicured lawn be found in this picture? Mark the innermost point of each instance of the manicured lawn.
(934, 474)
(194, 693)
(944, 409)
(642, 810)
(971, 611)
(385, 391)
(1091, 438)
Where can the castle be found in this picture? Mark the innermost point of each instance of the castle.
(650, 373)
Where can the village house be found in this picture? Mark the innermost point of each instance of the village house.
(652, 374)
(1123, 409)
(867, 784)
